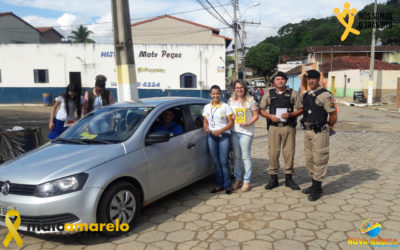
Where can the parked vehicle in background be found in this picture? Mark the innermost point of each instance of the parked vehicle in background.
(259, 84)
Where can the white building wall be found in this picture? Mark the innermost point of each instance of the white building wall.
(18, 61)
(352, 79)
(285, 67)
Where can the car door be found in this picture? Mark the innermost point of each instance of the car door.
(168, 161)
(199, 153)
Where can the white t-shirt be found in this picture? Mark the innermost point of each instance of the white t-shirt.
(217, 116)
(250, 106)
(62, 111)
(98, 102)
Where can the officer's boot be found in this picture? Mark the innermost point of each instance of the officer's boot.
(308, 190)
(290, 183)
(316, 191)
(273, 182)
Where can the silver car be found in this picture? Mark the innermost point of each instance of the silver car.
(108, 165)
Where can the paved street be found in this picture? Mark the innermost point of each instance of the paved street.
(362, 183)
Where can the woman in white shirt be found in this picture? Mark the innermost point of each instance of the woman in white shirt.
(217, 123)
(65, 117)
(245, 110)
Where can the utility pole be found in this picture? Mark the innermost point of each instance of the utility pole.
(371, 64)
(124, 56)
(243, 50)
(243, 45)
(235, 26)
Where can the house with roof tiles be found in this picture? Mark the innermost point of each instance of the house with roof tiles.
(14, 29)
(347, 74)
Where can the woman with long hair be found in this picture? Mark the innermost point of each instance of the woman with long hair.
(62, 114)
(245, 110)
(217, 123)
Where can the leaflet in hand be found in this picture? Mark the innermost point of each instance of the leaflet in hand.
(279, 112)
(240, 115)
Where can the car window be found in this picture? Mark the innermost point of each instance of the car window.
(108, 124)
(196, 114)
(170, 120)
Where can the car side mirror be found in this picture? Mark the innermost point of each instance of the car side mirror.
(157, 137)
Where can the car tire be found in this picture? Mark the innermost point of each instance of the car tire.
(109, 206)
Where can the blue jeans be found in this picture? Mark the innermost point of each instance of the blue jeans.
(219, 150)
(242, 150)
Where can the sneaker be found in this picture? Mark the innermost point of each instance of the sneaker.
(246, 187)
(228, 191)
(236, 184)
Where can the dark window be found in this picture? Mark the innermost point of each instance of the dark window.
(41, 75)
(75, 77)
(188, 80)
(178, 119)
(196, 113)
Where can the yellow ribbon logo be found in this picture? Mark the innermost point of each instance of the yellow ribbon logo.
(12, 228)
(342, 15)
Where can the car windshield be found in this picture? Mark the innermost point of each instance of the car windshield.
(105, 125)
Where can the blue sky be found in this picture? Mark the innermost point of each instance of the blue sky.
(66, 15)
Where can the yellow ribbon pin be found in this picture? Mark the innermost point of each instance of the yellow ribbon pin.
(12, 228)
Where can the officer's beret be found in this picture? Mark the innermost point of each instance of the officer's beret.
(280, 73)
(313, 74)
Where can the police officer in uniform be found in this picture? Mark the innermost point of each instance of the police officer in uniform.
(281, 132)
(318, 106)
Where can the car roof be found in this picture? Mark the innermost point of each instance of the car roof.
(157, 101)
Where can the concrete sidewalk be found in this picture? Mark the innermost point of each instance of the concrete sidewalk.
(362, 183)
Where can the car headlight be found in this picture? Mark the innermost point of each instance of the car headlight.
(61, 186)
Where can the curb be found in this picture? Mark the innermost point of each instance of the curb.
(24, 105)
(354, 104)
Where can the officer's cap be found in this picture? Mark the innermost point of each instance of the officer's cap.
(280, 73)
(313, 74)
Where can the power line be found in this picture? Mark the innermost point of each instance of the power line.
(134, 19)
(225, 10)
(209, 11)
(218, 13)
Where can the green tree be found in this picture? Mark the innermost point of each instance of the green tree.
(391, 36)
(81, 35)
(263, 58)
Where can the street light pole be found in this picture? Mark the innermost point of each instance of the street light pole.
(371, 63)
(235, 30)
(243, 50)
(235, 38)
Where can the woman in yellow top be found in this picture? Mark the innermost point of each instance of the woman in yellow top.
(246, 111)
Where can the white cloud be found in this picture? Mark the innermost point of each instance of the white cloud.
(37, 21)
(102, 29)
(66, 21)
(97, 14)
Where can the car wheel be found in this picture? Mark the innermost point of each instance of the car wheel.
(120, 201)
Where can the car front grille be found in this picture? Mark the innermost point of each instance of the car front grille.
(20, 189)
(46, 220)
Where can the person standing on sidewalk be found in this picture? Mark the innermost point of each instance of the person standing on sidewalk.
(99, 96)
(62, 114)
(318, 103)
(217, 123)
(245, 109)
(281, 126)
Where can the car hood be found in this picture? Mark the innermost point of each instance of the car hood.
(53, 161)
